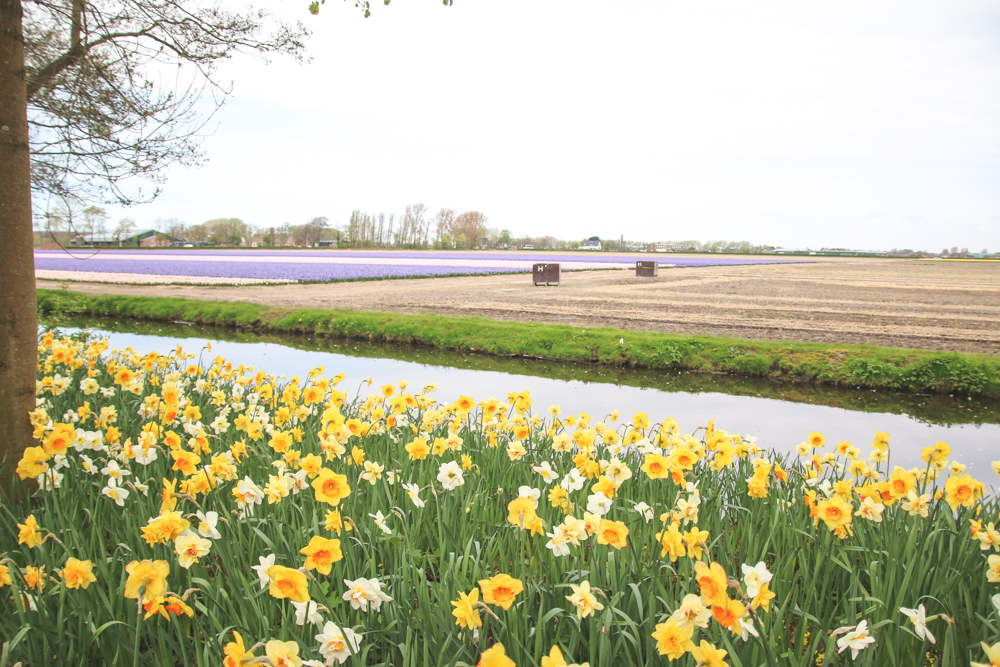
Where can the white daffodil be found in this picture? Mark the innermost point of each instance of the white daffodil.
(114, 471)
(88, 465)
(573, 481)
(50, 479)
(145, 456)
(307, 611)
(115, 492)
(546, 472)
(266, 563)
(380, 522)
(336, 643)
(528, 492)
(450, 475)
(919, 619)
(755, 577)
(206, 524)
(645, 510)
(598, 504)
(746, 628)
(857, 639)
(362, 592)
(411, 491)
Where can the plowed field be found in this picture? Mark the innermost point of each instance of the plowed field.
(940, 305)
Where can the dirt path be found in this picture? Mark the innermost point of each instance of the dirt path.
(899, 303)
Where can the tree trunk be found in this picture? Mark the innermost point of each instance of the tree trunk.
(18, 316)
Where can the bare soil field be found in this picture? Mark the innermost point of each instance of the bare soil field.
(937, 305)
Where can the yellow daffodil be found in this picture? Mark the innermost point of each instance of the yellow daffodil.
(673, 640)
(77, 573)
(288, 583)
(321, 554)
(28, 532)
(501, 590)
(495, 656)
(148, 575)
(465, 612)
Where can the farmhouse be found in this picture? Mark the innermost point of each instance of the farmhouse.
(591, 244)
(143, 238)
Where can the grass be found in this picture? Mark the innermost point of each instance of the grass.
(864, 366)
(463, 535)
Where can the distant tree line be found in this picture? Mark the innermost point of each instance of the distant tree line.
(418, 228)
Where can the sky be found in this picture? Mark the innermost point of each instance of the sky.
(849, 124)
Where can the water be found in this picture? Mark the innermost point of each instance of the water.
(779, 415)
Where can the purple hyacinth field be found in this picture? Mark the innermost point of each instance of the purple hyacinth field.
(248, 266)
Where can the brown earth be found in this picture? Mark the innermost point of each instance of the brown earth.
(939, 305)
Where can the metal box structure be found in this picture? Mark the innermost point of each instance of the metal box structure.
(546, 273)
(647, 269)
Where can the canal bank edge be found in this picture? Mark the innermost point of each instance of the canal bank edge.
(866, 366)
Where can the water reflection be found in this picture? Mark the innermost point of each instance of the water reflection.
(779, 415)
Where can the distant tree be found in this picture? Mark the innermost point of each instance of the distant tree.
(314, 229)
(471, 224)
(95, 218)
(505, 237)
(412, 226)
(444, 225)
(124, 229)
(174, 227)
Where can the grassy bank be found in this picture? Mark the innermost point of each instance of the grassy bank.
(826, 364)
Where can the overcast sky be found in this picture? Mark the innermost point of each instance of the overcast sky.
(852, 124)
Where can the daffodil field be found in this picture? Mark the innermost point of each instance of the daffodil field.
(191, 511)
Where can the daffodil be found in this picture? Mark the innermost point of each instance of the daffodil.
(364, 592)
(338, 644)
(189, 548)
(856, 639)
(412, 491)
(266, 563)
(307, 611)
(993, 569)
(380, 522)
(330, 487)
(755, 577)
(78, 574)
(495, 656)
(283, 654)
(321, 554)
(712, 581)
(706, 654)
(583, 600)
(148, 576)
(672, 638)
(692, 613)
(465, 613)
(236, 653)
(613, 533)
(287, 583)
(919, 619)
(450, 475)
(501, 590)
(992, 654)
(28, 532)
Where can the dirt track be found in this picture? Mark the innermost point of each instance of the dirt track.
(900, 303)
